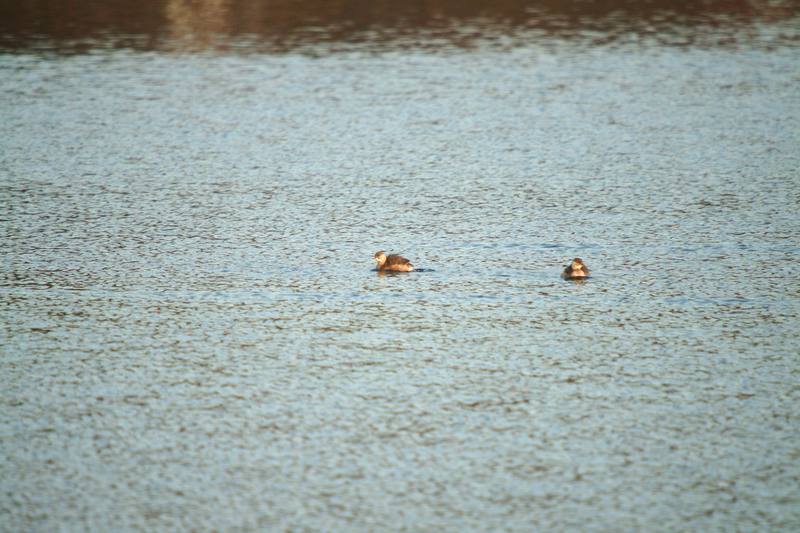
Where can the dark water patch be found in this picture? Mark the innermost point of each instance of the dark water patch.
(241, 26)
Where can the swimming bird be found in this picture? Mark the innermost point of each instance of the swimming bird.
(576, 270)
(393, 262)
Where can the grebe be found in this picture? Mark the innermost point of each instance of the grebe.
(576, 270)
(393, 262)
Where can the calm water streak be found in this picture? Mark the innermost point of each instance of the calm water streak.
(193, 337)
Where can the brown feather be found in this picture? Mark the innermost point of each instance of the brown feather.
(570, 272)
(394, 259)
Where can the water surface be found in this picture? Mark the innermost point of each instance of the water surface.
(193, 336)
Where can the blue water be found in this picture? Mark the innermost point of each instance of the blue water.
(194, 338)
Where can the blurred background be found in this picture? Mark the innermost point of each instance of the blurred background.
(277, 26)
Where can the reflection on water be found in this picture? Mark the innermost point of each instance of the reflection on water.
(196, 25)
(71, 25)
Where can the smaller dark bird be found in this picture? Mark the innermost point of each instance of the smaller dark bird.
(576, 270)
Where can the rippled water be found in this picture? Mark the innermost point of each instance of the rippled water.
(193, 336)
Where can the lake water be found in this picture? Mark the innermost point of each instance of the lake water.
(194, 336)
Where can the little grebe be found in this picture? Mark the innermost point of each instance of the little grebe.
(576, 270)
(393, 262)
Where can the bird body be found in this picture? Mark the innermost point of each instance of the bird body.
(576, 270)
(393, 262)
